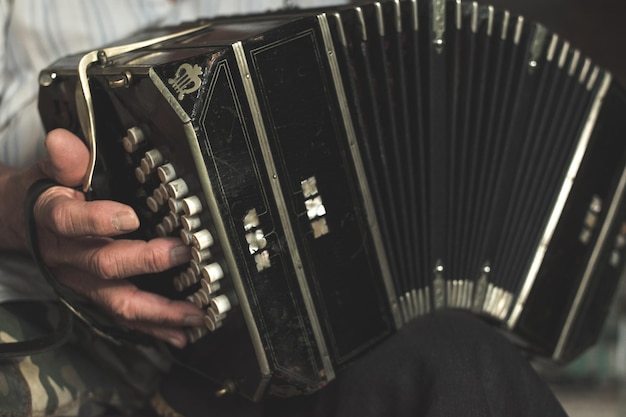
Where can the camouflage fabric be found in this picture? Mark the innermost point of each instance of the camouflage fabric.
(88, 376)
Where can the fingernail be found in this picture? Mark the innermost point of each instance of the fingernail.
(194, 320)
(180, 254)
(179, 342)
(125, 221)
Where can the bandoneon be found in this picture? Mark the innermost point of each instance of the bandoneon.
(337, 173)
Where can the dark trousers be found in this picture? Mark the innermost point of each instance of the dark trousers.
(446, 364)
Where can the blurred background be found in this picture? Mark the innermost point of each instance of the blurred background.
(596, 27)
(595, 384)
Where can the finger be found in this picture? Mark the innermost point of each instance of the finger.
(175, 336)
(114, 259)
(131, 307)
(64, 211)
(68, 158)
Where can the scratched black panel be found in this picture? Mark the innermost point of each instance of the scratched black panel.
(235, 167)
(308, 141)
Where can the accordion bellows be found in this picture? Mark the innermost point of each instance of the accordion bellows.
(338, 173)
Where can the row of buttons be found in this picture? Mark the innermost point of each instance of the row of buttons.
(182, 212)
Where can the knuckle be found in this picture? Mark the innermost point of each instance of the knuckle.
(122, 309)
(53, 211)
(59, 217)
(105, 266)
(155, 260)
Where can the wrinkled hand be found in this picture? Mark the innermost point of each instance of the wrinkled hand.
(75, 237)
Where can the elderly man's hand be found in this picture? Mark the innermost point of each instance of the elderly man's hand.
(75, 238)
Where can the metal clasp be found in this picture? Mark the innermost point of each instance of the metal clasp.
(84, 100)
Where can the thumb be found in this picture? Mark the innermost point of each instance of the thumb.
(67, 160)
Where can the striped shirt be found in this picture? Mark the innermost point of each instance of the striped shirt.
(37, 32)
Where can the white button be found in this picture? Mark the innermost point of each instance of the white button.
(153, 204)
(186, 236)
(215, 316)
(200, 298)
(179, 285)
(196, 333)
(159, 197)
(220, 304)
(195, 267)
(140, 175)
(190, 223)
(128, 145)
(202, 239)
(211, 324)
(145, 166)
(177, 188)
(210, 287)
(134, 136)
(200, 255)
(171, 222)
(192, 205)
(165, 192)
(154, 158)
(176, 206)
(212, 272)
(166, 173)
(188, 278)
(160, 230)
